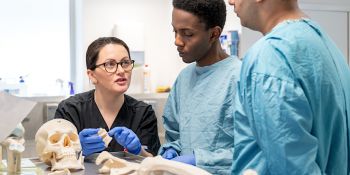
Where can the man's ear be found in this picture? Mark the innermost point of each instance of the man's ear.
(215, 33)
(91, 76)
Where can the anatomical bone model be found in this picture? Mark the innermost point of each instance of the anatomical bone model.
(14, 145)
(149, 166)
(58, 145)
(106, 138)
(115, 165)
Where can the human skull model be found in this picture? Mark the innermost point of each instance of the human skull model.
(58, 145)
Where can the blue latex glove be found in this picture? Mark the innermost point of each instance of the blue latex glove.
(90, 141)
(127, 138)
(169, 153)
(189, 159)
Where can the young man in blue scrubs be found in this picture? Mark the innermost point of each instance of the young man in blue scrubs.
(295, 91)
(198, 116)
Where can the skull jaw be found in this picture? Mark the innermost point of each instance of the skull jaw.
(68, 162)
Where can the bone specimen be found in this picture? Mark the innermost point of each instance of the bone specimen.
(115, 165)
(14, 148)
(106, 138)
(14, 145)
(60, 172)
(58, 145)
(158, 165)
(149, 166)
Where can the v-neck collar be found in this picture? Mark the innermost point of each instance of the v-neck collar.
(120, 119)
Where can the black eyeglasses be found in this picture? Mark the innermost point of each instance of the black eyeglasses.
(111, 66)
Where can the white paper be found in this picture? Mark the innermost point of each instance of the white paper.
(12, 111)
(25, 163)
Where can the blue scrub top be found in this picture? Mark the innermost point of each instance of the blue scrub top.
(198, 116)
(295, 94)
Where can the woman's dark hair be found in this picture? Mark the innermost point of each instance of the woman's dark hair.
(95, 47)
(211, 12)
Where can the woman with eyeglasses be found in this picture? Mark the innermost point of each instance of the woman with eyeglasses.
(132, 124)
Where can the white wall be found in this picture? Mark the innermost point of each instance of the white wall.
(325, 5)
(99, 17)
(34, 44)
(330, 4)
(335, 23)
(232, 21)
(332, 18)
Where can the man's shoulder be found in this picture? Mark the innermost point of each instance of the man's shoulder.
(185, 73)
(188, 69)
(234, 62)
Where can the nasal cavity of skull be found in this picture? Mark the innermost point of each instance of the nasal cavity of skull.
(67, 139)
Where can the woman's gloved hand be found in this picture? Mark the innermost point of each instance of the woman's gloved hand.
(169, 153)
(127, 138)
(189, 159)
(90, 141)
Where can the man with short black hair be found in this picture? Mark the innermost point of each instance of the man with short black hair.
(198, 116)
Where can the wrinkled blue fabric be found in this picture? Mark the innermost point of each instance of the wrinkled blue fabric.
(188, 159)
(294, 91)
(198, 116)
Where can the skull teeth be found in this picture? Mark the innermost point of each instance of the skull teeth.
(67, 154)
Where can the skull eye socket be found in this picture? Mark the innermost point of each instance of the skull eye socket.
(55, 138)
(73, 137)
